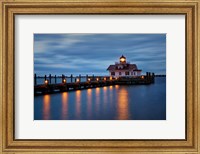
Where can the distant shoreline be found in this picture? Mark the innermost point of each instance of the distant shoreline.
(60, 76)
(160, 75)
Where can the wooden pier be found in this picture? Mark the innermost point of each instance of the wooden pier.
(92, 82)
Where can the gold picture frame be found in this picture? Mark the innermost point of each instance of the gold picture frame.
(9, 8)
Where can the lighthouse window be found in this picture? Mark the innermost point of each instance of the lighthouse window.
(120, 67)
(126, 73)
(112, 73)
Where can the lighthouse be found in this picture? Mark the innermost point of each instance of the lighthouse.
(124, 69)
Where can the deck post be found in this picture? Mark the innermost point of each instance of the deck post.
(55, 79)
(45, 80)
(71, 78)
(79, 78)
(86, 78)
(50, 78)
(35, 79)
(63, 77)
(153, 77)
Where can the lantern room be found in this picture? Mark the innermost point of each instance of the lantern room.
(122, 59)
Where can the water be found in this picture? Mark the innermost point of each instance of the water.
(133, 102)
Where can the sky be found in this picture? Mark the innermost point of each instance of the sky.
(90, 54)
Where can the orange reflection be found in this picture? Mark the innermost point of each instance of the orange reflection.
(46, 107)
(89, 102)
(97, 90)
(117, 86)
(105, 97)
(64, 105)
(78, 103)
(122, 105)
(110, 92)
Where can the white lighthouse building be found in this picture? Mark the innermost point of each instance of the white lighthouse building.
(124, 69)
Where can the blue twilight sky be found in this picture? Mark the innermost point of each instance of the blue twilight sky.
(76, 54)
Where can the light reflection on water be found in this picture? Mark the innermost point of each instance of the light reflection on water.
(122, 103)
(117, 86)
(64, 105)
(78, 103)
(111, 97)
(89, 102)
(97, 98)
(139, 102)
(46, 107)
(105, 97)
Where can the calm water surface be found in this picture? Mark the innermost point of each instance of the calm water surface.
(133, 102)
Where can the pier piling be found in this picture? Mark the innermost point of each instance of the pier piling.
(35, 80)
(71, 78)
(50, 78)
(86, 77)
(79, 78)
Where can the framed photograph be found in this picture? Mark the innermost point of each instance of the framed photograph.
(99, 89)
(99, 76)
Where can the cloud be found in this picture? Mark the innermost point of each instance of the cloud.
(93, 53)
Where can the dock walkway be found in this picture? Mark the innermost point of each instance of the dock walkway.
(98, 82)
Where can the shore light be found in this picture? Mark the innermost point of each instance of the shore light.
(46, 82)
(142, 77)
(110, 78)
(97, 79)
(77, 80)
(64, 80)
(104, 79)
(89, 79)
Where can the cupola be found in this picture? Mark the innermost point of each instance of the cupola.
(122, 59)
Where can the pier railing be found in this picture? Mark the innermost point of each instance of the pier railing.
(52, 84)
(54, 79)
